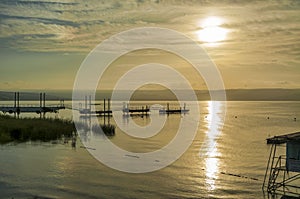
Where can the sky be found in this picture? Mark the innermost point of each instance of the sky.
(254, 44)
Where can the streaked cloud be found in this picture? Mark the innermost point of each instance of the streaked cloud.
(262, 36)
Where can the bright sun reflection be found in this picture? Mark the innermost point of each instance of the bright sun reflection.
(211, 154)
(211, 30)
(211, 167)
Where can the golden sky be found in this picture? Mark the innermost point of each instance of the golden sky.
(254, 44)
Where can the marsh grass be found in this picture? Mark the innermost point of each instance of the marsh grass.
(107, 129)
(34, 129)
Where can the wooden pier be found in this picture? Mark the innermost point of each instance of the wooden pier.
(139, 110)
(174, 111)
(87, 110)
(42, 109)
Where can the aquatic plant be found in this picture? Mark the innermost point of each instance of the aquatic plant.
(35, 129)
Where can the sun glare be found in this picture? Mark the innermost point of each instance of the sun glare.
(211, 30)
(211, 22)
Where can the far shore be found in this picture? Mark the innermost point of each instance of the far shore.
(262, 94)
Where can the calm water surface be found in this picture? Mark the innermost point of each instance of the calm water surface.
(58, 171)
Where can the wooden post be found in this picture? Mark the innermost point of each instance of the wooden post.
(108, 105)
(40, 100)
(41, 104)
(104, 109)
(127, 109)
(18, 104)
(18, 98)
(104, 105)
(15, 100)
(90, 105)
(15, 104)
(85, 105)
(44, 105)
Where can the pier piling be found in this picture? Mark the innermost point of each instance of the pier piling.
(41, 109)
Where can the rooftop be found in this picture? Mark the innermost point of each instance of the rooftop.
(284, 138)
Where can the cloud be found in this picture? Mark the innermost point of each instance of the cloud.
(263, 35)
(78, 25)
(85, 24)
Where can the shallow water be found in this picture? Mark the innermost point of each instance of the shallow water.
(233, 168)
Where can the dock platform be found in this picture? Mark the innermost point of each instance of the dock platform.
(42, 108)
(180, 110)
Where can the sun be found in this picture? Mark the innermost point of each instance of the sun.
(211, 30)
(211, 22)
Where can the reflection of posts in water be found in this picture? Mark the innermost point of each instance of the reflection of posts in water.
(44, 104)
(74, 140)
(106, 110)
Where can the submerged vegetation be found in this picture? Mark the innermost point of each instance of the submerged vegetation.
(35, 129)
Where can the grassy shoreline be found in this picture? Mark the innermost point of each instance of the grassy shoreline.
(34, 129)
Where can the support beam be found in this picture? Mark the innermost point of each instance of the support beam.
(44, 105)
(104, 105)
(18, 104)
(85, 103)
(15, 100)
(44, 101)
(18, 99)
(41, 100)
(90, 103)
(108, 104)
(41, 104)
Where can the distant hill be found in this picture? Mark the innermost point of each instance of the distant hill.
(232, 95)
(263, 95)
(27, 96)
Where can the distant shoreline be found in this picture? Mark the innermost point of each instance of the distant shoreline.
(166, 95)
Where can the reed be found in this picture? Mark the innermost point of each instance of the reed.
(107, 129)
(35, 129)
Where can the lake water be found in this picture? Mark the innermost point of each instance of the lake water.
(233, 168)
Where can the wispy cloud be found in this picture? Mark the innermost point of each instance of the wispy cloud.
(263, 35)
(77, 25)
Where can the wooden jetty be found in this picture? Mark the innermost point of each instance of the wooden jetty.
(139, 110)
(87, 110)
(105, 112)
(173, 111)
(41, 109)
